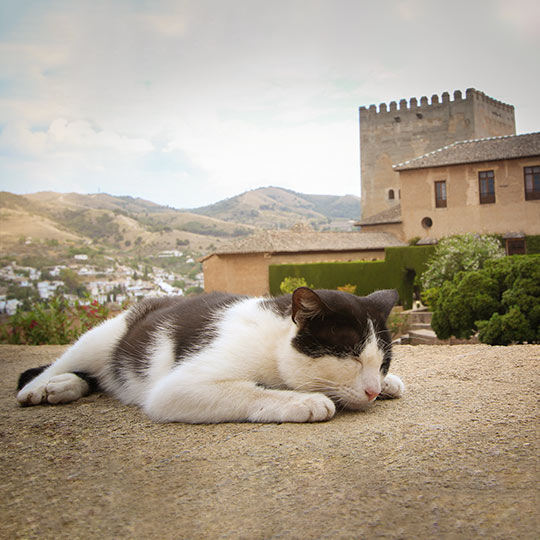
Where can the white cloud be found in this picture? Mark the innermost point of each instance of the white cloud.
(63, 137)
(522, 15)
(238, 94)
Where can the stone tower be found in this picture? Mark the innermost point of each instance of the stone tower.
(395, 133)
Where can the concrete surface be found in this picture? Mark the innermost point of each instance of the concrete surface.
(455, 458)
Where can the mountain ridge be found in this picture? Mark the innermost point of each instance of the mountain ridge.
(125, 221)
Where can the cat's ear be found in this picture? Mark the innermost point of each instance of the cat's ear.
(385, 300)
(306, 304)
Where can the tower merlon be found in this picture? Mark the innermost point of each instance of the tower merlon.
(471, 95)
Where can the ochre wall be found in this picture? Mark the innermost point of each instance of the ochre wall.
(248, 273)
(464, 213)
(392, 228)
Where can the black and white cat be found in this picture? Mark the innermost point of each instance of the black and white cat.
(228, 358)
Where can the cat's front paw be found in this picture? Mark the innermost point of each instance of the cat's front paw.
(308, 408)
(65, 388)
(61, 388)
(392, 387)
(33, 393)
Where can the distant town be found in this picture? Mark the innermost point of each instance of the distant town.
(112, 283)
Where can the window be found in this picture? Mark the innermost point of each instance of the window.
(440, 194)
(515, 246)
(391, 194)
(532, 183)
(427, 222)
(486, 186)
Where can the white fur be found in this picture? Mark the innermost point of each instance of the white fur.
(249, 372)
(90, 354)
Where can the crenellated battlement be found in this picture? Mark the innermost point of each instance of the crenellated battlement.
(401, 130)
(471, 95)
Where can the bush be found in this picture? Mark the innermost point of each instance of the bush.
(501, 302)
(505, 329)
(348, 288)
(290, 284)
(454, 254)
(533, 244)
(52, 322)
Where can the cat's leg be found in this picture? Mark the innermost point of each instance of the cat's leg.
(59, 382)
(392, 387)
(175, 399)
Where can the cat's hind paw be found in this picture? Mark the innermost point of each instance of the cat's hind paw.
(392, 387)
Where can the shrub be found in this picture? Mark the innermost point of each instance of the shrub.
(290, 284)
(454, 254)
(500, 301)
(505, 329)
(397, 324)
(347, 288)
(533, 244)
(52, 322)
(459, 304)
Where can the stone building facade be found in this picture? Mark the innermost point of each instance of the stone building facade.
(486, 186)
(395, 133)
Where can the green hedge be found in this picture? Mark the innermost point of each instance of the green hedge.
(397, 271)
(533, 244)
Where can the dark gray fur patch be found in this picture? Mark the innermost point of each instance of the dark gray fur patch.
(189, 321)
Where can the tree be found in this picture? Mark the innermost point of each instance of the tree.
(454, 254)
(72, 282)
(500, 301)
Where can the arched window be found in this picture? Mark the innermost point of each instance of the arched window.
(391, 195)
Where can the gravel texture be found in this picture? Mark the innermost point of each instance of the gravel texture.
(456, 457)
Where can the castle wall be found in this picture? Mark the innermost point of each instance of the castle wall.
(398, 132)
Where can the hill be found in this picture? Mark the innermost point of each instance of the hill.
(273, 207)
(110, 222)
(47, 222)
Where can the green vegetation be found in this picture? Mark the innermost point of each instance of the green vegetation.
(348, 288)
(397, 271)
(52, 322)
(533, 244)
(72, 282)
(27, 295)
(290, 284)
(501, 301)
(86, 223)
(454, 254)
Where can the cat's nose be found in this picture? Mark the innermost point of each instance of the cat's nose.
(371, 394)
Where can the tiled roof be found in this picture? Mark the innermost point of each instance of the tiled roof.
(307, 241)
(478, 150)
(391, 215)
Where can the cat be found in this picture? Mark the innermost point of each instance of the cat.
(227, 358)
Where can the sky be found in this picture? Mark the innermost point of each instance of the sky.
(188, 102)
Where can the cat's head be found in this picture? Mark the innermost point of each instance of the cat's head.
(341, 346)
